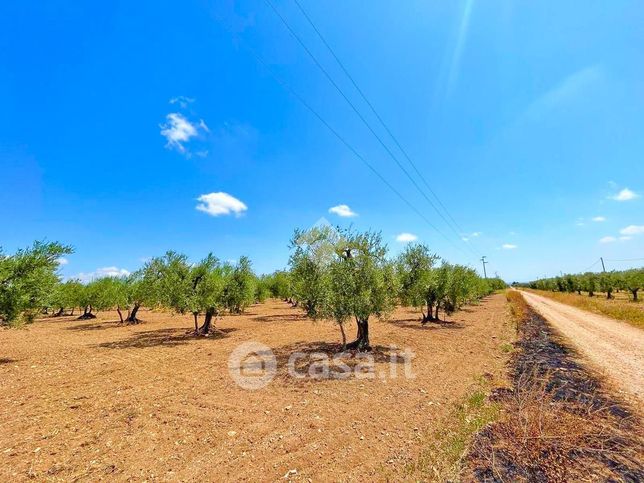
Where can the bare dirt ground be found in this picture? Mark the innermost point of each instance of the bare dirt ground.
(95, 400)
(614, 348)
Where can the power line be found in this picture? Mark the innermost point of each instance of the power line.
(358, 113)
(626, 260)
(286, 87)
(382, 122)
(596, 262)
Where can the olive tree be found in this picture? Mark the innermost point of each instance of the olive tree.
(633, 281)
(27, 279)
(210, 280)
(361, 283)
(141, 288)
(312, 252)
(419, 280)
(65, 296)
(109, 293)
(239, 289)
(279, 284)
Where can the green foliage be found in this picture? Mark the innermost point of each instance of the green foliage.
(107, 293)
(430, 288)
(27, 279)
(313, 250)
(361, 281)
(419, 281)
(239, 287)
(65, 296)
(207, 280)
(606, 282)
(280, 284)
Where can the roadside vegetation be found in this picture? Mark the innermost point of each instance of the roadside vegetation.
(558, 422)
(592, 284)
(614, 294)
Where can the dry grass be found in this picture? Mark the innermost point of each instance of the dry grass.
(619, 308)
(445, 450)
(541, 438)
(557, 422)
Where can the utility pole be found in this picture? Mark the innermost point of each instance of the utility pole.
(484, 262)
(603, 267)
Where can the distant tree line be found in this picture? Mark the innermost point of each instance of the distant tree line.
(335, 274)
(631, 281)
(345, 276)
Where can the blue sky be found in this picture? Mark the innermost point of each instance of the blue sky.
(130, 128)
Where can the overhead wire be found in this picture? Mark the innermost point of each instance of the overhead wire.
(360, 116)
(346, 143)
(458, 230)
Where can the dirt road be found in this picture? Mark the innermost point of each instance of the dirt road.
(614, 348)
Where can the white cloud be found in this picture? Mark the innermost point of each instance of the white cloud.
(471, 235)
(220, 203)
(406, 237)
(599, 219)
(624, 195)
(100, 273)
(177, 131)
(62, 261)
(508, 246)
(607, 239)
(183, 101)
(342, 210)
(632, 230)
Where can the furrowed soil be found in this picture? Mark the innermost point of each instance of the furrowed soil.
(97, 400)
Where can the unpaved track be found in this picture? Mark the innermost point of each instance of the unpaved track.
(614, 348)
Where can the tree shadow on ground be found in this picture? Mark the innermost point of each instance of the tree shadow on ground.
(6, 360)
(308, 361)
(281, 318)
(163, 337)
(58, 318)
(111, 324)
(415, 324)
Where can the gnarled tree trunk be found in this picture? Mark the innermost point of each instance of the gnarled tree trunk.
(362, 338)
(118, 310)
(430, 312)
(87, 314)
(131, 319)
(207, 323)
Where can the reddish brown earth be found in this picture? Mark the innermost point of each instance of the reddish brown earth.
(95, 400)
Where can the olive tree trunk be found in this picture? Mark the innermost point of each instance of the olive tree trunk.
(362, 338)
